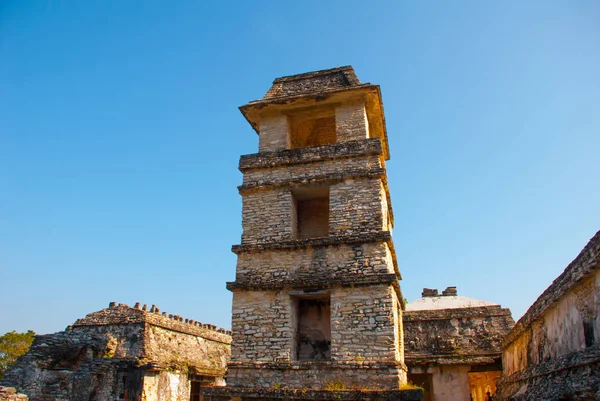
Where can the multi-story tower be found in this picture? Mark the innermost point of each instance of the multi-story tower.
(316, 300)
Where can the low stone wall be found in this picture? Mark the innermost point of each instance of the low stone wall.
(10, 394)
(317, 375)
(243, 394)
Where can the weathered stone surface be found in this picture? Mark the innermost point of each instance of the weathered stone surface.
(456, 336)
(553, 352)
(10, 394)
(316, 298)
(313, 82)
(331, 106)
(454, 349)
(121, 351)
(313, 154)
(345, 264)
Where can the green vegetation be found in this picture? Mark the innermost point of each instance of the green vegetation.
(410, 386)
(12, 346)
(335, 385)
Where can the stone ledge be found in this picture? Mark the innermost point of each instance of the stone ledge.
(303, 394)
(314, 282)
(445, 314)
(306, 365)
(382, 236)
(376, 172)
(424, 359)
(371, 146)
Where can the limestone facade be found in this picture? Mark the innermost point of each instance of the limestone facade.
(553, 352)
(453, 345)
(123, 353)
(316, 298)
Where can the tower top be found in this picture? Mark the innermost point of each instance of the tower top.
(313, 82)
(312, 92)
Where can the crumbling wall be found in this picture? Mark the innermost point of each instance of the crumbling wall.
(554, 349)
(467, 335)
(107, 354)
(186, 352)
(69, 365)
(311, 82)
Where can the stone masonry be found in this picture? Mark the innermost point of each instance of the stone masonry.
(316, 300)
(553, 352)
(453, 345)
(122, 353)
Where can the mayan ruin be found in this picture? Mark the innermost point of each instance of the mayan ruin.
(554, 348)
(453, 344)
(317, 309)
(124, 352)
(316, 299)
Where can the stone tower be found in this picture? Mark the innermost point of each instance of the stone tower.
(316, 300)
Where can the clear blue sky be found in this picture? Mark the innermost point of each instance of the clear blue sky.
(120, 138)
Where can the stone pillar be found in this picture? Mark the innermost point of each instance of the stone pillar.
(351, 122)
(273, 134)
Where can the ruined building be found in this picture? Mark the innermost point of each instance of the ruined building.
(316, 300)
(453, 345)
(124, 353)
(553, 352)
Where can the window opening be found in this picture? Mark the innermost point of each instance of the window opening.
(312, 128)
(313, 333)
(311, 212)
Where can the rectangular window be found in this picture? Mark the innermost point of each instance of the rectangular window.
(312, 128)
(313, 328)
(311, 212)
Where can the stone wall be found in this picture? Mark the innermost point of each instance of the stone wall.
(317, 231)
(315, 263)
(467, 335)
(351, 122)
(311, 82)
(166, 386)
(451, 382)
(118, 351)
(274, 134)
(365, 324)
(365, 329)
(555, 347)
(356, 191)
